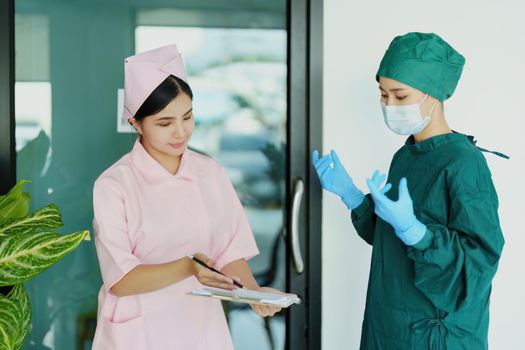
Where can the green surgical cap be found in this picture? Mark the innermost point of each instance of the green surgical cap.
(423, 61)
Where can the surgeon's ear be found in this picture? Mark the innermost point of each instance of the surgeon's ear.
(135, 124)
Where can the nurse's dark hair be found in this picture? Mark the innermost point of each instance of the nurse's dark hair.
(168, 90)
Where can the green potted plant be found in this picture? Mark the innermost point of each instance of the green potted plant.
(28, 246)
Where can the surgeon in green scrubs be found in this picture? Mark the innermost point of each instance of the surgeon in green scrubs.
(434, 225)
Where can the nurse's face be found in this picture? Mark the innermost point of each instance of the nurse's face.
(396, 93)
(168, 132)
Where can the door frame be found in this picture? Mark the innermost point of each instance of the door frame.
(7, 96)
(304, 133)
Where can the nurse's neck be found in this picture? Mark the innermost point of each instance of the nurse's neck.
(437, 126)
(171, 164)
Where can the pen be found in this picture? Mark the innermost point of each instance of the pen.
(202, 263)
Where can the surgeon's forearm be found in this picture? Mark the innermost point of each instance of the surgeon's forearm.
(240, 268)
(149, 278)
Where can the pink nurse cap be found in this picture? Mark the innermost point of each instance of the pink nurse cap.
(145, 71)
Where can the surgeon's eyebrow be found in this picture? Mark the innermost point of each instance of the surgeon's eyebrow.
(393, 90)
(171, 117)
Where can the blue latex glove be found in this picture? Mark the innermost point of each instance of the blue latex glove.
(334, 178)
(399, 214)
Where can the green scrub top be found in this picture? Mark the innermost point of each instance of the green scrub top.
(434, 295)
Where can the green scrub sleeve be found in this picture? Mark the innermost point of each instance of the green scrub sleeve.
(454, 264)
(426, 241)
(364, 219)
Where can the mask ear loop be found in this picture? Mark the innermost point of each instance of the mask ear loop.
(431, 109)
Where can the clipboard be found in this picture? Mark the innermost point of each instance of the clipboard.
(283, 300)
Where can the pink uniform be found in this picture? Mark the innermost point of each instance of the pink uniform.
(145, 215)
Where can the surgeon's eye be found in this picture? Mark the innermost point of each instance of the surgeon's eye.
(401, 98)
(384, 96)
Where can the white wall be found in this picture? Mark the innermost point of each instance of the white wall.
(489, 103)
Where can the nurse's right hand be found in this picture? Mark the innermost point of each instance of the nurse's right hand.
(210, 278)
(334, 178)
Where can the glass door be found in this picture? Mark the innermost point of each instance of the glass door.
(250, 66)
(237, 68)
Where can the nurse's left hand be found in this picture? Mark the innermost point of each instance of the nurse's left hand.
(400, 213)
(266, 310)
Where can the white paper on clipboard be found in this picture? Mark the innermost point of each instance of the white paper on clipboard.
(248, 296)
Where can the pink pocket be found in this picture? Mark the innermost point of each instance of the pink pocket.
(128, 335)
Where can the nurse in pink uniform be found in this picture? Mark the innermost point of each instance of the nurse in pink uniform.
(154, 206)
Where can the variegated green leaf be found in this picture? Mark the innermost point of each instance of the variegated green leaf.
(47, 218)
(15, 318)
(25, 255)
(13, 193)
(15, 204)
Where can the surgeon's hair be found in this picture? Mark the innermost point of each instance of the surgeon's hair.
(163, 94)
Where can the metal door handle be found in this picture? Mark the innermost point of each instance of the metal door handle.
(296, 206)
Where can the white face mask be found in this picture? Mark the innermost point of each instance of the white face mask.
(406, 119)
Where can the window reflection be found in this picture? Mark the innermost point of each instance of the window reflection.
(33, 111)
